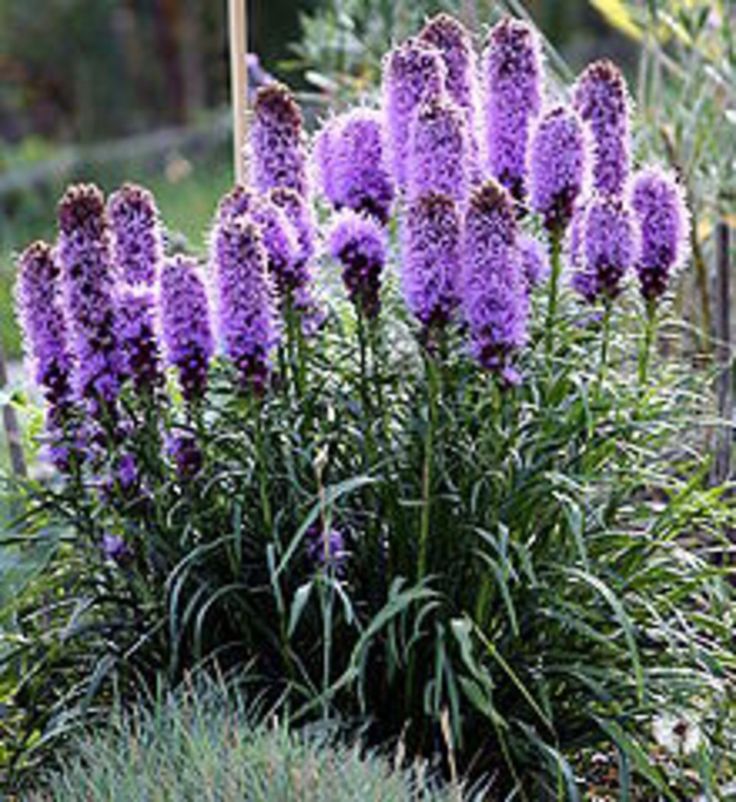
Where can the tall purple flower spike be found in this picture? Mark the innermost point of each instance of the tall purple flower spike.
(663, 219)
(41, 314)
(349, 159)
(413, 72)
(534, 260)
(359, 244)
(138, 338)
(609, 247)
(494, 293)
(558, 163)
(185, 322)
(602, 100)
(512, 80)
(431, 258)
(246, 315)
(439, 151)
(278, 156)
(89, 288)
(137, 243)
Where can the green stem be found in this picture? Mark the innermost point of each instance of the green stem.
(650, 326)
(605, 344)
(262, 468)
(432, 394)
(554, 289)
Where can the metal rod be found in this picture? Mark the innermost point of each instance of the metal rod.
(239, 83)
(724, 447)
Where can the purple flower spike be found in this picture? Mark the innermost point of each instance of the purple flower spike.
(246, 315)
(185, 322)
(494, 293)
(276, 138)
(512, 76)
(350, 163)
(413, 73)
(534, 260)
(663, 219)
(609, 247)
(359, 244)
(431, 258)
(438, 159)
(558, 166)
(453, 41)
(136, 235)
(186, 455)
(326, 548)
(138, 340)
(84, 253)
(601, 98)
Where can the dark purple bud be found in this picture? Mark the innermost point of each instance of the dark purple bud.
(326, 548)
(187, 456)
(115, 549)
(138, 339)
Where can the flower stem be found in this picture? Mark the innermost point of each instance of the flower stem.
(554, 289)
(432, 396)
(650, 326)
(605, 344)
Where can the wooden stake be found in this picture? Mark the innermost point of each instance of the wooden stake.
(12, 429)
(724, 447)
(239, 83)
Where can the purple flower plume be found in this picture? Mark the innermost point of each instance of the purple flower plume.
(659, 204)
(512, 77)
(350, 164)
(431, 258)
(413, 72)
(558, 166)
(89, 285)
(246, 315)
(359, 244)
(39, 303)
(186, 455)
(185, 322)
(601, 98)
(534, 260)
(276, 137)
(438, 156)
(494, 294)
(609, 247)
(137, 243)
(138, 338)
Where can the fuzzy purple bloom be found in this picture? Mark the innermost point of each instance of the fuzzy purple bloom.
(278, 156)
(512, 77)
(431, 258)
(350, 163)
(494, 294)
(186, 455)
(359, 244)
(601, 98)
(439, 152)
(413, 72)
(246, 314)
(137, 243)
(138, 340)
(663, 219)
(534, 260)
(609, 247)
(558, 166)
(326, 548)
(185, 322)
(89, 287)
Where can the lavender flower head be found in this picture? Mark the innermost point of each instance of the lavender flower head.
(413, 72)
(450, 37)
(278, 157)
(246, 315)
(359, 244)
(438, 156)
(185, 322)
(326, 548)
(602, 100)
(609, 247)
(663, 219)
(137, 244)
(534, 260)
(558, 162)
(494, 294)
(431, 258)
(349, 161)
(138, 339)
(89, 284)
(512, 76)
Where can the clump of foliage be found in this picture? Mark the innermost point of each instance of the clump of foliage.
(464, 500)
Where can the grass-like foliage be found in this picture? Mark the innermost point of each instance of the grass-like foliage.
(209, 745)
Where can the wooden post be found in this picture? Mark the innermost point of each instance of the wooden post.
(239, 83)
(10, 423)
(724, 444)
